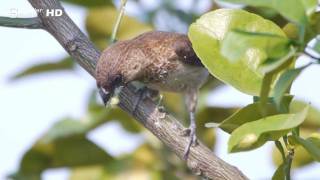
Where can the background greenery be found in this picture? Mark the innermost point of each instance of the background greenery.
(66, 143)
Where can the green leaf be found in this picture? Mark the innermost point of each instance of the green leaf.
(64, 64)
(210, 30)
(291, 30)
(254, 134)
(214, 114)
(265, 91)
(316, 46)
(247, 114)
(65, 144)
(271, 65)
(65, 128)
(86, 172)
(127, 122)
(279, 174)
(90, 3)
(72, 151)
(208, 114)
(65, 141)
(143, 163)
(294, 10)
(310, 6)
(312, 121)
(100, 22)
(284, 83)
(311, 144)
(238, 43)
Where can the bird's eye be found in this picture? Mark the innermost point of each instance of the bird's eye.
(117, 80)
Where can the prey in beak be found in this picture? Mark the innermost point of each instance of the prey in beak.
(109, 86)
(110, 98)
(105, 95)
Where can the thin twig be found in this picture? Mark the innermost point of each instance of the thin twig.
(118, 21)
(28, 23)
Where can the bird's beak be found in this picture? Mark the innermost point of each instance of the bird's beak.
(105, 95)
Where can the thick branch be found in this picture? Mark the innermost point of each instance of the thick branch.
(201, 159)
(29, 23)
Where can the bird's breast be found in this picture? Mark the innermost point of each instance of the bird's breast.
(178, 77)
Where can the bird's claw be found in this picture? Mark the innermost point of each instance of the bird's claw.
(160, 107)
(191, 132)
(185, 132)
(142, 94)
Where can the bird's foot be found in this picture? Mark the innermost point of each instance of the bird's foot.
(191, 132)
(142, 94)
(160, 107)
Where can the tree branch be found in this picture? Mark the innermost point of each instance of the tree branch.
(28, 23)
(201, 159)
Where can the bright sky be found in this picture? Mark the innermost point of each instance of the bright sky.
(30, 106)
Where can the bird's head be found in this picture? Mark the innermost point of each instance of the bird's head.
(109, 86)
(109, 75)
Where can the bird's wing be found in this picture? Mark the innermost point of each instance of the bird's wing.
(183, 49)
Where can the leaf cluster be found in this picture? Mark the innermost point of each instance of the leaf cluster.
(256, 53)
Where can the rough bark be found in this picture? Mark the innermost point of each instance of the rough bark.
(201, 160)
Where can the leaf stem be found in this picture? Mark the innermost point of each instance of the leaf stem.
(289, 159)
(267, 81)
(118, 21)
(280, 148)
(285, 140)
(302, 31)
(264, 93)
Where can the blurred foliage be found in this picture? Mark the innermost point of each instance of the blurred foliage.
(66, 64)
(267, 13)
(100, 31)
(301, 158)
(66, 144)
(141, 164)
(60, 152)
(91, 3)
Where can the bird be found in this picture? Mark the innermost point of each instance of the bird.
(162, 61)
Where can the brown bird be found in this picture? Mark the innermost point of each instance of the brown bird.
(163, 61)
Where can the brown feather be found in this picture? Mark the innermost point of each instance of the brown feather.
(150, 57)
